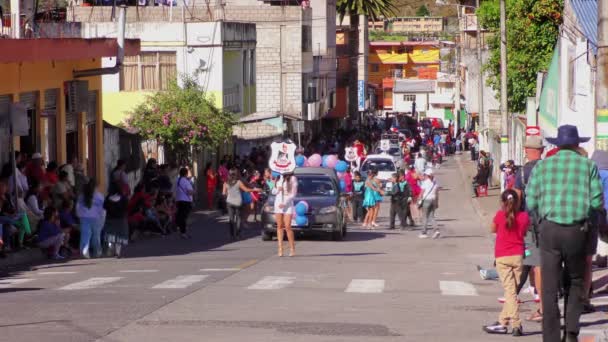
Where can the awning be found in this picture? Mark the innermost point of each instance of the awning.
(265, 116)
(256, 130)
(414, 86)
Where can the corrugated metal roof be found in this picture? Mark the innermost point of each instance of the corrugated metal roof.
(414, 86)
(586, 13)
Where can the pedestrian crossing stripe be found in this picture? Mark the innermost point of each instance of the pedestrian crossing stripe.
(457, 288)
(90, 283)
(10, 282)
(181, 282)
(365, 286)
(272, 283)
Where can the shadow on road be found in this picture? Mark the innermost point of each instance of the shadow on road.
(341, 254)
(19, 289)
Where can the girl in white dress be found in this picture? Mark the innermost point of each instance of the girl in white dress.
(285, 191)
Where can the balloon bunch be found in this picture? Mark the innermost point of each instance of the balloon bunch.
(330, 161)
(301, 210)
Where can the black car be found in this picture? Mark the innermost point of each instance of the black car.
(320, 188)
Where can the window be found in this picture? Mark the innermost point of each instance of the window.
(252, 66)
(375, 67)
(245, 68)
(306, 39)
(409, 97)
(148, 71)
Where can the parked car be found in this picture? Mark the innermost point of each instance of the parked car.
(395, 152)
(384, 164)
(320, 188)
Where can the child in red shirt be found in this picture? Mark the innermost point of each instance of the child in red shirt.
(510, 225)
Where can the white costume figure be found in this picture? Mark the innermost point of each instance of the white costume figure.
(350, 155)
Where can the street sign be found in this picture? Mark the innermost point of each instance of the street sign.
(385, 145)
(361, 94)
(532, 130)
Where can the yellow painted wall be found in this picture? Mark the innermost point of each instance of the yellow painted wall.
(117, 105)
(16, 78)
(394, 58)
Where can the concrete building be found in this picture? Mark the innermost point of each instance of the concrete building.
(60, 111)
(568, 90)
(415, 24)
(433, 98)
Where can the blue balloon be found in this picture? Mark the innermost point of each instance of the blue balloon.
(301, 209)
(301, 220)
(342, 185)
(341, 166)
(300, 160)
(275, 174)
(324, 163)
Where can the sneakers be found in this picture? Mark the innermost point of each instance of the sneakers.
(496, 328)
(423, 236)
(437, 235)
(502, 300)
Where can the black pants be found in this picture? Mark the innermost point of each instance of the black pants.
(234, 216)
(525, 272)
(181, 216)
(398, 209)
(357, 206)
(562, 245)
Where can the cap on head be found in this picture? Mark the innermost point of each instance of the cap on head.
(36, 156)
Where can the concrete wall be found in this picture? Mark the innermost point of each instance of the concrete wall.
(490, 100)
(400, 105)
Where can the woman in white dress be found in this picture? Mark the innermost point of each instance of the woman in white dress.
(285, 191)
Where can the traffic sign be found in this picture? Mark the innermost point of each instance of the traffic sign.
(532, 130)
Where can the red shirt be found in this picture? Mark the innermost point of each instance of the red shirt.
(360, 149)
(510, 241)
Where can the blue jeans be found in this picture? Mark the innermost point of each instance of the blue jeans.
(90, 235)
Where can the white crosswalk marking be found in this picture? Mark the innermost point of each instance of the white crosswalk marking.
(10, 282)
(180, 282)
(138, 271)
(272, 283)
(90, 283)
(55, 272)
(220, 269)
(365, 286)
(457, 288)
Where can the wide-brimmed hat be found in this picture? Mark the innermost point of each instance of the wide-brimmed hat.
(534, 142)
(567, 135)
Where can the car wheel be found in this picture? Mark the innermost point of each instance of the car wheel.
(266, 236)
(344, 229)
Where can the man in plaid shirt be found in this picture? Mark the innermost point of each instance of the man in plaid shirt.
(563, 190)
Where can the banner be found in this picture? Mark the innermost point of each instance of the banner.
(282, 157)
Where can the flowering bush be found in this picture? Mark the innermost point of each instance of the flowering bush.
(182, 117)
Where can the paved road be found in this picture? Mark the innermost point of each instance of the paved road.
(375, 286)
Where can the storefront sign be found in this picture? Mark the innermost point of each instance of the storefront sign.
(361, 94)
(532, 130)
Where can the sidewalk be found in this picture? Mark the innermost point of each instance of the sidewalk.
(36, 256)
(594, 327)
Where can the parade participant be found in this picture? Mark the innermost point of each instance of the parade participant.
(429, 202)
(282, 161)
(212, 180)
(564, 190)
(400, 196)
(533, 148)
(89, 209)
(233, 191)
(412, 179)
(116, 228)
(286, 190)
(510, 225)
(370, 200)
(183, 197)
(420, 164)
(357, 199)
(509, 178)
(360, 147)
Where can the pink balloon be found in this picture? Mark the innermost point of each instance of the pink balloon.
(332, 160)
(315, 160)
(306, 164)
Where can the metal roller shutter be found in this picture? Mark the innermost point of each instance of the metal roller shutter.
(50, 102)
(71, 122)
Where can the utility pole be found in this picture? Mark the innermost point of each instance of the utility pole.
(482, 119)
(504, 110)
(458, 75)
(601, 79)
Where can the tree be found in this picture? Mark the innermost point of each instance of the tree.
(182, 118)
(532, 32)
(423, 11)
(372, 9)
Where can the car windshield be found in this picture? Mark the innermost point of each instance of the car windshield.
(378, 164)
(393, 151)
(315, 186)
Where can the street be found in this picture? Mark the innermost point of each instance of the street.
(378, 285)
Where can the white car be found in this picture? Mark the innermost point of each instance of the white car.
(385, 165)
(394, 152)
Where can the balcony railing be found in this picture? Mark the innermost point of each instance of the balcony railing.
(232, 99)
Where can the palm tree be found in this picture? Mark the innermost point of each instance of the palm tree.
(371, 9)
